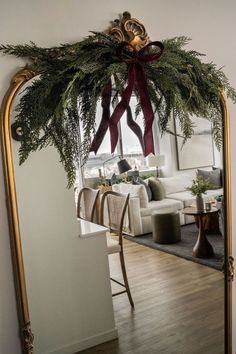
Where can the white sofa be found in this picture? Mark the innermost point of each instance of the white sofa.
(176, 198)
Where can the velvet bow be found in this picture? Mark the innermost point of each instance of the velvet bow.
(136, 79)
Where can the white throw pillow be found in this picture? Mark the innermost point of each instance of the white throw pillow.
(135, 191)
(176, 184)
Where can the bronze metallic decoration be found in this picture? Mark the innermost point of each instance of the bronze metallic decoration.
(16, 132)
(231, 268)
(28, 338)
(130, 30)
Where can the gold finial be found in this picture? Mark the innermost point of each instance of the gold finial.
(130, 30)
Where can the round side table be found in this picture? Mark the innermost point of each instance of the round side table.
(202, 248)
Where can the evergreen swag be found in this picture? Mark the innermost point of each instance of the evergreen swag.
(72, 78)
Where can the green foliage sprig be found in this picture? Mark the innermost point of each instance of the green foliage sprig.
(60, 106)
(199, 186)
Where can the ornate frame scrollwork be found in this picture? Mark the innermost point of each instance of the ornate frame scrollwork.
(16, 132)
(130, 30)
(230, 268)
(28, 337)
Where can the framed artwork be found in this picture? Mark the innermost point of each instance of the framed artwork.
(198, 150)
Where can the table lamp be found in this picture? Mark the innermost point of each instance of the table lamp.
(123, 166)
(156, 161)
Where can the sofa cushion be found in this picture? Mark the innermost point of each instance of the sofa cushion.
(188, 199)
(221, 174)
(176, 184)
(158, 191)
(213, 177)
(155, 205)
(135, 191)
(139, 181)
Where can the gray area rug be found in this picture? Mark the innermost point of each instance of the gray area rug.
(184, 248)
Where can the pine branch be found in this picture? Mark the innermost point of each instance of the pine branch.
(63, 100)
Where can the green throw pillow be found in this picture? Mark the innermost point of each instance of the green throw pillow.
(158, 191)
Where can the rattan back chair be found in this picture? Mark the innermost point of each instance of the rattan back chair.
(112, 214)
(88, 204)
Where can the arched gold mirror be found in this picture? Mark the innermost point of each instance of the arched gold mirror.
(27, 338)
(17, 83)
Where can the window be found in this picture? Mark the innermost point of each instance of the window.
(105, 163)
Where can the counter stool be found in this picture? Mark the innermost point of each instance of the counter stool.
(166, 227)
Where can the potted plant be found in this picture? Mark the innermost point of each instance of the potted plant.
(199, 187)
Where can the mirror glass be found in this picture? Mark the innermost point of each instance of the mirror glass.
(181, 299)
(179, 303)
(67, 286)
(128, 145)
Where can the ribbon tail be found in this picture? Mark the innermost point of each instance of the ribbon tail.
(104, 124)
(134, 127)
(121, 108)
(146, 105)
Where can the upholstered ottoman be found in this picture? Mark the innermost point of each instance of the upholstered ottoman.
(166, 227)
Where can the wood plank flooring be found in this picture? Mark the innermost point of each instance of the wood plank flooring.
(179, 306)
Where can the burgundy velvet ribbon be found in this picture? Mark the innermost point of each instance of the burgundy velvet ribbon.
(136, 77)
(104, 124)
(134, 127)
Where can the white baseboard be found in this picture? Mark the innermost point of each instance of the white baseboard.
(86, 343)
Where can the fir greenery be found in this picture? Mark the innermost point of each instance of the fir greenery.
(60, 106)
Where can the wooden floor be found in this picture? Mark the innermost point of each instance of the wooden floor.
(178, 306)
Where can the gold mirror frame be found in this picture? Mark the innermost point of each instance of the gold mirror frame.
(16, 84)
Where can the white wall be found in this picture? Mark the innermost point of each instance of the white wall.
(168, 147)
(210, 24)
(67, 276)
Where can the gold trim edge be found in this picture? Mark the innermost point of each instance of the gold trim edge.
(18, 80)
(228, 226)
